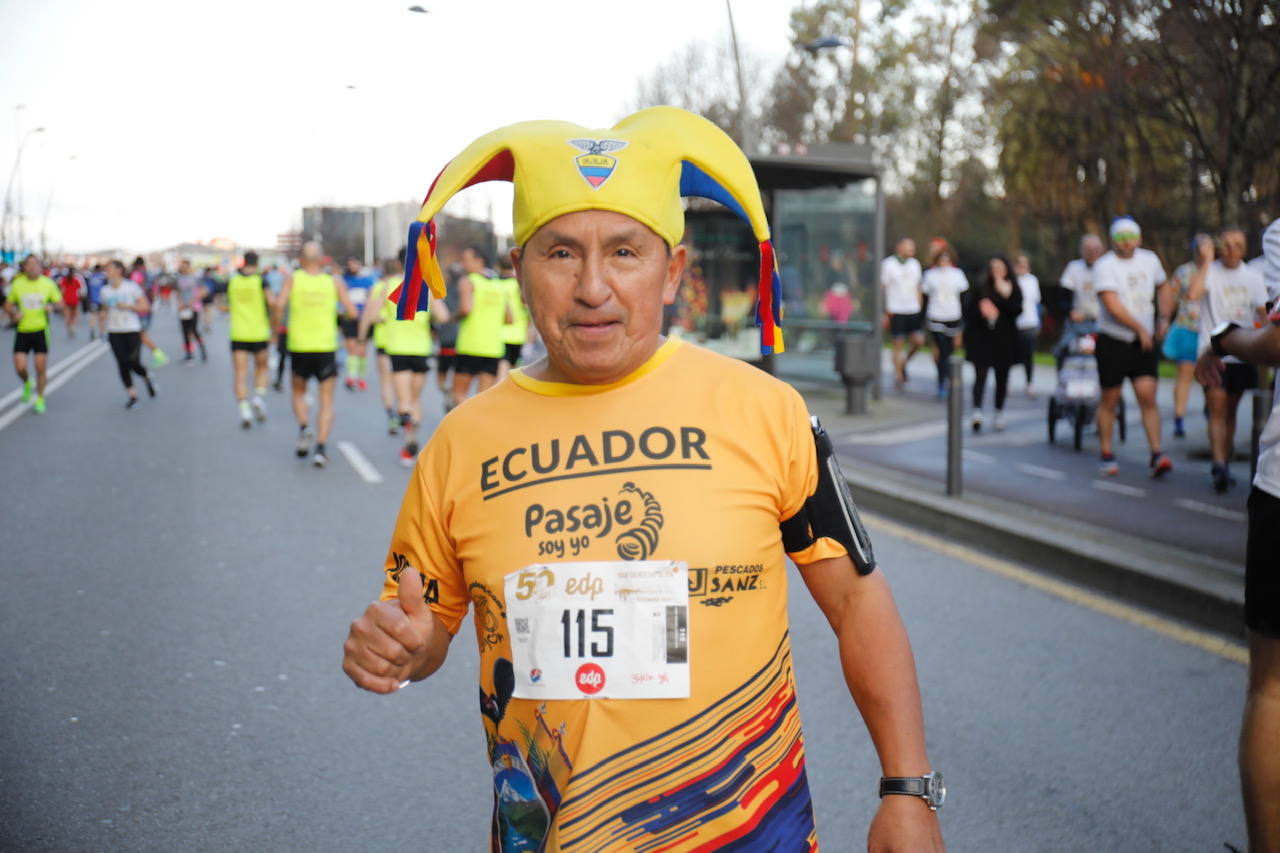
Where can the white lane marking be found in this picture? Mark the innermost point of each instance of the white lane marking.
(975, 456)
(18, 410)
(1119, 488)
(1168, 628)
(1045, 473)
(1007, 439)
(53, 370)
(930, 429)
(1210, 509)
(358, 461)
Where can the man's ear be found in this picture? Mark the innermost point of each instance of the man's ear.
(515, 256)
(675, 273)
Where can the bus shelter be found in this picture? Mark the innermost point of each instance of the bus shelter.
(826, 209)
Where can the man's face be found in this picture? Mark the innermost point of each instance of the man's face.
(471, 262)
(906, 248)
(1124, 245)
(1091, 250)
(595, 282)
(184, 267)
(1021, 266)
(1233, 249)
(353, 266)
(31, 267)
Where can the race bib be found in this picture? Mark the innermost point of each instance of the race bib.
(608, 630)
(32, 301)
(186, 314)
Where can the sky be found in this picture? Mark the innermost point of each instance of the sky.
(169, 121)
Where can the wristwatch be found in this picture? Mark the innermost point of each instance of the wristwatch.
(1219, 332)
(929, 788)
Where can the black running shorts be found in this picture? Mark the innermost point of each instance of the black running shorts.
(470, 365)
(314, 365)
(1262, 565)
(249, 346)
(414, 363)
(1120, 360)
(37, 342)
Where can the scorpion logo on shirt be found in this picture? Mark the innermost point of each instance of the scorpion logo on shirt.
(640, 541)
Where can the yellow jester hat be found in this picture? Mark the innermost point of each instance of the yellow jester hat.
(641, 167)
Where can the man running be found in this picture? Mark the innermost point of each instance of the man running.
(617, 517)
(900, 278)
(405, 344)
(515, 334)
(72, 286)
(313, 298)
(358, 286)
(1259, 753)
(191, 293)
(482, 314)
(250, 302)
(31, 295)
(1077, 278)
(96, 281)
(1129, 281)
(1229, 291)
(126, 304)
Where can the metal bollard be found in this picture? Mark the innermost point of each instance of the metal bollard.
(1262, 397)
(955, 426)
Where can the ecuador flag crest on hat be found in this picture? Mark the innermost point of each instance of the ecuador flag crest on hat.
(641, 167)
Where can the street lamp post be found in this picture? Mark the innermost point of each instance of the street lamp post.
(8, 193)
(744, 114)
(48, 204)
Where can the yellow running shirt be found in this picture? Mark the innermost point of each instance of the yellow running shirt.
(480, 332)
(517, 331)
(247, 302)
(313, 313)
(693, 460)
(33, 296)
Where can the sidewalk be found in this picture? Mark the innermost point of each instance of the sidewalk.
(1171, 544)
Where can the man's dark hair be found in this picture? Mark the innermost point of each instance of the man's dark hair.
(250, 259)
(479, 253)
(117, 263)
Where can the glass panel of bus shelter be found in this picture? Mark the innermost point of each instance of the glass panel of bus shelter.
(826, 259)
(715, 305)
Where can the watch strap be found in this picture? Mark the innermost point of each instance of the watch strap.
(1215, 339)
(911, 786)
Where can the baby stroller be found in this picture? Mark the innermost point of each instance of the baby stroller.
(1076, 397)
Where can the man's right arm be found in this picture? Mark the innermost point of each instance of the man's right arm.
(396, 641)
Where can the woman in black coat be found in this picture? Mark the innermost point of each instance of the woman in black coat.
(991, 334)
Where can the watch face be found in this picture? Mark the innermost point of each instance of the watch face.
(935, 790)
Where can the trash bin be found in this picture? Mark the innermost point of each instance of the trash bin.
(857, 357)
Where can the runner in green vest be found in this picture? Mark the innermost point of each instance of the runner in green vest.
(515, 334)
(31, 295)
(373, 313)
(482, 313)
(313, 299)
(407, 343)
(249, 302)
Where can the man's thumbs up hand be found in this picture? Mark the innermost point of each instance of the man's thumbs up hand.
(392, 641)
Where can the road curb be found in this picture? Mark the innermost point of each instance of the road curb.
(1199, 589)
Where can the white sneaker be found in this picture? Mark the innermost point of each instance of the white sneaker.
(303, 447)
(259, 409)
(977, 421)
(999, 423)
(245, 419)
(319, 460)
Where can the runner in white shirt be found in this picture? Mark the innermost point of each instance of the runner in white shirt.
(943, 284)
(1228, 291)
(1028, 322)
(1260, 733)
(1128, 281)
(900, 278)
(125, 303)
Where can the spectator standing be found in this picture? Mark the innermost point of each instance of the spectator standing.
(1028, 322)
(1182, 344)
(991, 335)
(1129, 281)
(943, 285)
(901, 277)
(1229, 291)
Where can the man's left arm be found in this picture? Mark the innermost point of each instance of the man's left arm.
(880, 671)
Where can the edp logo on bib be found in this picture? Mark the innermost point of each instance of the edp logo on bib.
(589, 678)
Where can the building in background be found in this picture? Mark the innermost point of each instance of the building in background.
(343, 232)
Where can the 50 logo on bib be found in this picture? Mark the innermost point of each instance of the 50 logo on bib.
(615, 630)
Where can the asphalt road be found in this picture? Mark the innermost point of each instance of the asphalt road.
(177, 591)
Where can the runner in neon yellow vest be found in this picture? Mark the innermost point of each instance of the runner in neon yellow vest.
(249, 302)
(515, 334)
(31, 296)
(375, 311)
(313, 298)
(482, 313)
(405, 346)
